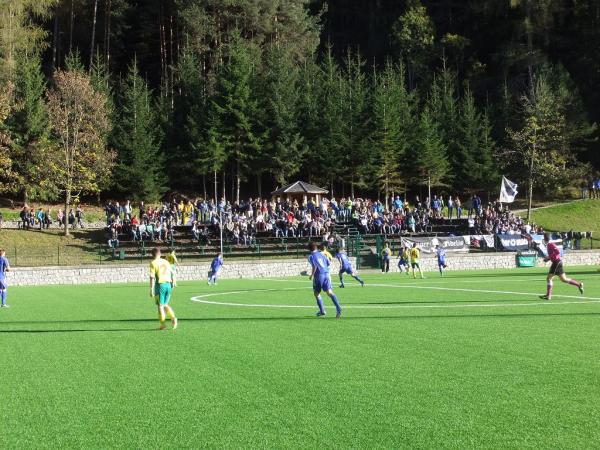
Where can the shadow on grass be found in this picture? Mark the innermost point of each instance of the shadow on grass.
(82, 330)
(272, 319)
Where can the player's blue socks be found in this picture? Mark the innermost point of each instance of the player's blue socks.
(335, 301)
(357, 278)
(320, 305)
(3, 296)
(341, 280)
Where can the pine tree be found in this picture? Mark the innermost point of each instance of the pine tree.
(355, 127)
(309, 119)
(473, 164)
(327, 152)
(30, 128)
(284, 148)
(443, 103)
(430, 159)
(236, 110)
(20, 33)
(186, 132)
(140, 170)
(391, 122)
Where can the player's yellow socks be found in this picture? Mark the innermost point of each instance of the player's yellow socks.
(170, 313)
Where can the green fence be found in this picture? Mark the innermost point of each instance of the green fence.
(63, 255)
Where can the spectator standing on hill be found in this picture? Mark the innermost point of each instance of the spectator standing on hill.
(61, 217)
(39, 217)
(23, 215)
(71, 218)
(458, 206)
(47, 219)
(127, 210)
(450, 207)
(79, 216)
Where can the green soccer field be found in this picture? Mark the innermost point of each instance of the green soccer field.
(473, 360)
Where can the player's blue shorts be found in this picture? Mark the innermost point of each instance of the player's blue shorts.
(442, 262)
(402, 262)
(322, 283)
(347, 269)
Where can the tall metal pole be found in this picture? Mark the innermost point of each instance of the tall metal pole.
(429, 188)
(221, 227)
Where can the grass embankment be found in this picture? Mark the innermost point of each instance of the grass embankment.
(51, 247)
(577, 216)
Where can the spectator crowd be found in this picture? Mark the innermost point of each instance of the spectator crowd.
(240, 223)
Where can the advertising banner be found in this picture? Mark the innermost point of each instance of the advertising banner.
(513, 242)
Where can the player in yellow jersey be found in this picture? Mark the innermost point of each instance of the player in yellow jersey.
(162, 280)
(403, 258)
(323, 249)
(414, 260)
(172, 259)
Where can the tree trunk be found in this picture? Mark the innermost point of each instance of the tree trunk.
(92, 44)
(224, 186)
(71, 25)
(55, 42)
(259, 184)
(107, 39)
(386, 193)
(66, 211)
(204, 185)
(531, 166)
(530, 189)
(529, 32)
(238, 181)
(216, 187)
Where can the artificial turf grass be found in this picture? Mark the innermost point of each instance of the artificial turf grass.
(83, 367)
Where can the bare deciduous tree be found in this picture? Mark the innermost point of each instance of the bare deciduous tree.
(80, 124)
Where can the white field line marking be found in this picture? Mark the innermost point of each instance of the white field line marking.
(427, 280)
(585, 300)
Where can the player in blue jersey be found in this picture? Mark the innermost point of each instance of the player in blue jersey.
(321, 280)
(441, 259)
(4, 267)
(346, 267)
(215, 269)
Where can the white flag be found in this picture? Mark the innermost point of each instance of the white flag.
(508, 191)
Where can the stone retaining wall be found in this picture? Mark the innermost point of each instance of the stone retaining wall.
(126, 273)
(130, 273)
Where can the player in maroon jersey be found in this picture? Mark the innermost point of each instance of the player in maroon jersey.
(556, 269)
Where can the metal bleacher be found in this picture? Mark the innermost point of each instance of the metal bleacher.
(264, 245)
